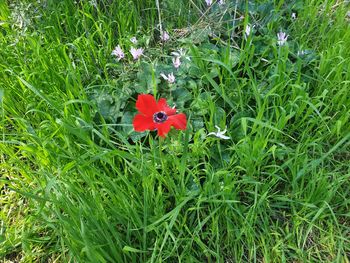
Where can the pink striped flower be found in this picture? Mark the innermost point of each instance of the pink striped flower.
(176, 62)
(209, 2)
(118, 52)
(281, 38)
(170, 77)
(136, 52)
(164, 36)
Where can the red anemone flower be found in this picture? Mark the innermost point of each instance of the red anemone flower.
(158, 116)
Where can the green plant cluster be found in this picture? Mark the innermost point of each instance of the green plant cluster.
(78, 184)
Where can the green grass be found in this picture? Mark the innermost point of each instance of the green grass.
(77, 184)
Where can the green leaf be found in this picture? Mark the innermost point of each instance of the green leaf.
(1, 95)
(126, 122)
(133, 250)
(181, 96)
(197, 123)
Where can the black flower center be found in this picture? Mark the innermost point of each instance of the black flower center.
(160, 117)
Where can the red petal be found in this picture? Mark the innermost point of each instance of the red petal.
(178, 121)
(163, 128)
(163, 106)
(142, 123)
(146, 104)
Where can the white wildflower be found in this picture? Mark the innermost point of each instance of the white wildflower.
(118, 52)
(170, 78)
(302, 52)
(248, 30)
(136, 52)
(93, 3)
(133, 40)
(209, 2)
(178, 53)
(221, 2)
(219, 133)
(181, 53)
(281, 38)
(294, 16)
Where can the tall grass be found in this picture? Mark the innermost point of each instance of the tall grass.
(78, 185)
